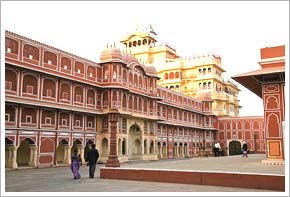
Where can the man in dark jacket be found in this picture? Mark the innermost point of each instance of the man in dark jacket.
(91, 159)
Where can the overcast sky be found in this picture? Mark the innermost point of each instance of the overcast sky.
(234, 30)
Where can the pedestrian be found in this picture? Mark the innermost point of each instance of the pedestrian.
(75, 165)
(216, 149)
(91, 159)
(245, 149)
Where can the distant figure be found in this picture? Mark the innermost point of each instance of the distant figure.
(245, 149)
(91, 159)
(216, 149)
(219, 149)
(75, 165)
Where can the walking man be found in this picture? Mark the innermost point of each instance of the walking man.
(91, 159)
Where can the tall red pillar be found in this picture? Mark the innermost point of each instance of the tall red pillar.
(273, 97)
(113, 158)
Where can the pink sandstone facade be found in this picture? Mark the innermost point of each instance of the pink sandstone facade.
(56, 102)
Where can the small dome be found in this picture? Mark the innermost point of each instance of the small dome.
(111, 55)
(151, 70)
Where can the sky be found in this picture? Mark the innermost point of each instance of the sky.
(234, 30)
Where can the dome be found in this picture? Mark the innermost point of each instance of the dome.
(151, 70)
(111, 55)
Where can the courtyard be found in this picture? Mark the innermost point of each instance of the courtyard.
(60, 179)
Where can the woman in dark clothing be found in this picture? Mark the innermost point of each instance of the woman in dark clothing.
(245, 149)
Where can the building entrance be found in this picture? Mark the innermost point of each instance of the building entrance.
(134, 143)
(235, 148)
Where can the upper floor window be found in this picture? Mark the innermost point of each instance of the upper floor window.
(64, 122)
(28, 119)
(105, 123)
(29, 89)
(8, 85)
(7, 117)
(47, 120)
(90, 124)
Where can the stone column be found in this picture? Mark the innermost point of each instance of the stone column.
(12, 153)
(273, 97)
(33, 156)
(113, 158)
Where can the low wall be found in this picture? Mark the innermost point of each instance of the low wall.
(257, 181)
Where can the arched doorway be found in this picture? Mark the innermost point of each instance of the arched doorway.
(235, 148)
(76, 146)
(134, 143)
(151, 148)
(25, 153)
(124, 146)
(62, 156)
(145, 146)
(164, 150)
(185, 150)
(105, 147)
(159, 151)
(180, 150)
(175, 150)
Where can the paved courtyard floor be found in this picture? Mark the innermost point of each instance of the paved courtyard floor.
(59, 179)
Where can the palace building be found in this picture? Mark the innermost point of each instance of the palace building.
(189, 76)
(56, 102)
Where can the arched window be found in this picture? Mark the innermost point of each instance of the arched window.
(140, 105)
(209, 70)
(209, 85)
(114, 99)
(105, 99)
(135, 80)
(204, 71)
(106, 73)
(166, 76)
(130, 78)
(124, 101)
(171, 75)
(140, 81)
(204, 85)
(130, 103)
(135, 103)
(176, 75)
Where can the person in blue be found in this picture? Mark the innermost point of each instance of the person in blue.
(76, 163)
(91, 159)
